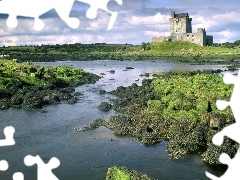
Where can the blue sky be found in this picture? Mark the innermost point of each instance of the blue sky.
(138, 21)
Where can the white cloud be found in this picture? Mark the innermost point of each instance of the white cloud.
(101, 39)
(156, 33)
(148, 20)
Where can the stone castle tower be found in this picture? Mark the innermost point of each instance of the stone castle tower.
(181, 30)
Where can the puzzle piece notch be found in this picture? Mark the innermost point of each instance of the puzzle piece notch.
(232, 172)
(44, 170)
(235, 98)
(18, 176)
(230, 131)
(36, 8)
(95, 5)
(8, 132)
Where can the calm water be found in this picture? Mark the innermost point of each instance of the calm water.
(87, 155)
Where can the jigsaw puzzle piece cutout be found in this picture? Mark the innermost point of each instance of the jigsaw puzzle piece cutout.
(235, 98)
(3, 165)
(25, 8)
(232, 172)
(63, 9)
(44, 170)
(8, 132)
(232, 130)
(36, 8)
(95, 5)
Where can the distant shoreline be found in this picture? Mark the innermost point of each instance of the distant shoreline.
(177, 51)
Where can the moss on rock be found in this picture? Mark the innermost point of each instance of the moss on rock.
(123, 173)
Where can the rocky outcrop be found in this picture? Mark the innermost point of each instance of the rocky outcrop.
(184, 136)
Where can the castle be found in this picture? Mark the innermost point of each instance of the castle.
(181, 30)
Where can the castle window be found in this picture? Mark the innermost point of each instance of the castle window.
(187, 35)
(192, 35)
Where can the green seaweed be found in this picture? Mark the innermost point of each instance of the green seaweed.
(29, 74)
(192, 97)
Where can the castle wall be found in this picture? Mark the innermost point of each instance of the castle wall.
(162, 39)
(181, 30)
(180, 23)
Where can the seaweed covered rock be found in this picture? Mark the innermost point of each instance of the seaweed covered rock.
(123, 173)
(95, 124)
(133, 94)
(187, 137)
(17, 99)
(105, 106)
(32, 101)
(4, 103)
(31, 86)
(212, 153)
(72, 100)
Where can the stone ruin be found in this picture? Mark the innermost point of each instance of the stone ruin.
(181, 30)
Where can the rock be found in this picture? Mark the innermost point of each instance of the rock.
(65, 96)
(112, 71)
(32, 101)
(214, 123)
(94, 125)
(129, 68)
(105, 106)
(4, 103)
(67, 90)
(50, 97)
(102, 92)
(17, 100)
(73, 100)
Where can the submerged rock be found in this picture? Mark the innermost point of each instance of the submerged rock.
(102, 92)
(94, 125)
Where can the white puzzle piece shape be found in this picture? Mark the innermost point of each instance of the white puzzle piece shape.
(44, 171)
(8, 132)
(36, 8)
(3, 165)
(231, 131)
